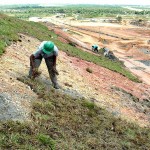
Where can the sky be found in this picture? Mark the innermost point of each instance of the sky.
(128, 2)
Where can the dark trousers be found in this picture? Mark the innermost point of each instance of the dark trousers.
(49, 64)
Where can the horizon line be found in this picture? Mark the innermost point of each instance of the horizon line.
(71, 4)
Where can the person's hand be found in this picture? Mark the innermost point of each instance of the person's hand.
(35, 72)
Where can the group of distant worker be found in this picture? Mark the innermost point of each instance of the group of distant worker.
(106, 51)
(95, 48)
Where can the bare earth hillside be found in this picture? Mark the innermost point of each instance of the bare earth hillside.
(107, 89)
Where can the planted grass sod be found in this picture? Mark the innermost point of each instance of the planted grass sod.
(61, 122)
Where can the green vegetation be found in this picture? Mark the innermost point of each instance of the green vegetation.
(10, 27)
(80, 11)
(119, 19)
(61, 122)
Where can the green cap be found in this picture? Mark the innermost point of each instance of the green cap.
(48, 47)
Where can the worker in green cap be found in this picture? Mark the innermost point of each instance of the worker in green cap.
(95, 48)
(49, 52)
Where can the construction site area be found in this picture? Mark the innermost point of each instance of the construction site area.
(130, 44)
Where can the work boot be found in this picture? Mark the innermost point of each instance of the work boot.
(56, 86)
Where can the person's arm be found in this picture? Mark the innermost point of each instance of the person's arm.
(54, 60)
(54, 65)
(36, 54)
(33, 67)
(32, 61)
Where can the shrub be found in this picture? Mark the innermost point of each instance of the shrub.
(89, 70)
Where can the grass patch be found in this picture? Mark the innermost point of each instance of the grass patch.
(89, 105)
(10, 27)
(62, 122)
(46, 140)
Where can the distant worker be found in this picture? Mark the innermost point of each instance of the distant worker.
(95, 48)
(106, 52)
(49, 52)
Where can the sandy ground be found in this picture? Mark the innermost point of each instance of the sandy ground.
(101, 86)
